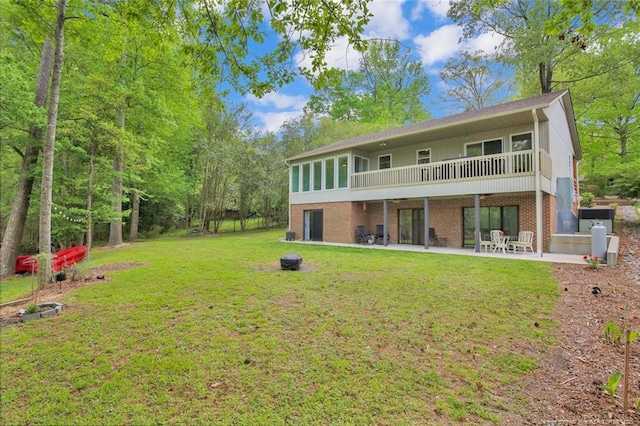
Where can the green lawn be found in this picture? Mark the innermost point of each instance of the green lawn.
(210, 331)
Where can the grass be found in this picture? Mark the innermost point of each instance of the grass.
(210, 331)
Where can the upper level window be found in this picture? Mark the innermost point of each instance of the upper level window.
(317, 175)
(360, 164)
(484, 148)
(521, 142)
(329, 173)
(295, 178)
(306, 177)
(384, 162)
(424, 156)
(343, 171)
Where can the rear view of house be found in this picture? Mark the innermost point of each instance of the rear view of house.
(448, 181)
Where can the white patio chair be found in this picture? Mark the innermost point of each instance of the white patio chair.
(486, 244)
(524, 242)
(499, 241)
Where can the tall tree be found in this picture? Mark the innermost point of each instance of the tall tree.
(528, 46)
(16, 223)
(46, 187)
(473, 81)
(388, 87)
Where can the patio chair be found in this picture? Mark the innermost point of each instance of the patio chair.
(433, 237)
(499, 241)
(524, 242)
(361, 234)
(486, 244)
(380, 234)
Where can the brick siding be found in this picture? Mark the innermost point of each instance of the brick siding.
(445, 215)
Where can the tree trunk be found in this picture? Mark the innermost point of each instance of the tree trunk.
(46, 189)
(135, 216)
(89, 237)
(115, 229)
(15, 225)
(546, 74)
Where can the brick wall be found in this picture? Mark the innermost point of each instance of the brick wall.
(445, 215)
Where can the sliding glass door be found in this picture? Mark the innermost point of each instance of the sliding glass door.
(411, 226)
(503, 218)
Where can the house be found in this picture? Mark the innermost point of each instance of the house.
(511, 167)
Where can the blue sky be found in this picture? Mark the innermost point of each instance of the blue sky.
(421, 25)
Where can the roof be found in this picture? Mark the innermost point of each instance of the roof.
(510, 108)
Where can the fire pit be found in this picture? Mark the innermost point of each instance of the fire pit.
(290, 262)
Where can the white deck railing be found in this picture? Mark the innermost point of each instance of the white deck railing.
(469, 168)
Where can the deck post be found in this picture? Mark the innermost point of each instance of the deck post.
(426, 223)
(385, 228)
(476, 220)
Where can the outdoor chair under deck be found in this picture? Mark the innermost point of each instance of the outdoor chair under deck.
(524, 242)
(486, 244)
(380, 234)
(499, 241)
(361, 234)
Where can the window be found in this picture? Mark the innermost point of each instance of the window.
(317, 175)
(295, 178)
(522, 162)
(384, 162)
(360, 164)
(306, 177)
(424, 156)
(329, 173)
(343, 171)
(504, 218)
(484, 148)
(521, 142)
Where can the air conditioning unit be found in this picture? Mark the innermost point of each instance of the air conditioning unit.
(587, 217)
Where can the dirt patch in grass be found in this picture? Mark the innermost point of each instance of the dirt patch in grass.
(55, 291)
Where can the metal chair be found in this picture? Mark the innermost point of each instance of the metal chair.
(380, 233)
(361, 234)
(433, 237)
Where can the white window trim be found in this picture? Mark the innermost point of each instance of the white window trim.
(324, 173)
(518, 134)
(310, 163)
(390, 160)
(418, 154)
(363, 158)
(337, 181)
(501, 139)
(298, 165)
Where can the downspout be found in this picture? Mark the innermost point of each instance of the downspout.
(536, 153)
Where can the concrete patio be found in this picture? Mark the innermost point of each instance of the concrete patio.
(546, 257)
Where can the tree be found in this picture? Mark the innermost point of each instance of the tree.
(15, 225)
(46, 187)
(473, 81)
(387, 88)
(528, 46)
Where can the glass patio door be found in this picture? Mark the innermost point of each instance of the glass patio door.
(503, 218)
(411, 226)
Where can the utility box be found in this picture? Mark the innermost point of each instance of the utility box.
(587, 217)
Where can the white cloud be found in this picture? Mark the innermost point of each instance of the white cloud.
(273, 120)
(275, 108)
(438, 8)
(439, 45)
(279, 101)
(387, 21)
(488, 43)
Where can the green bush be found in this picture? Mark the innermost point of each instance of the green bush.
(586, 199)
